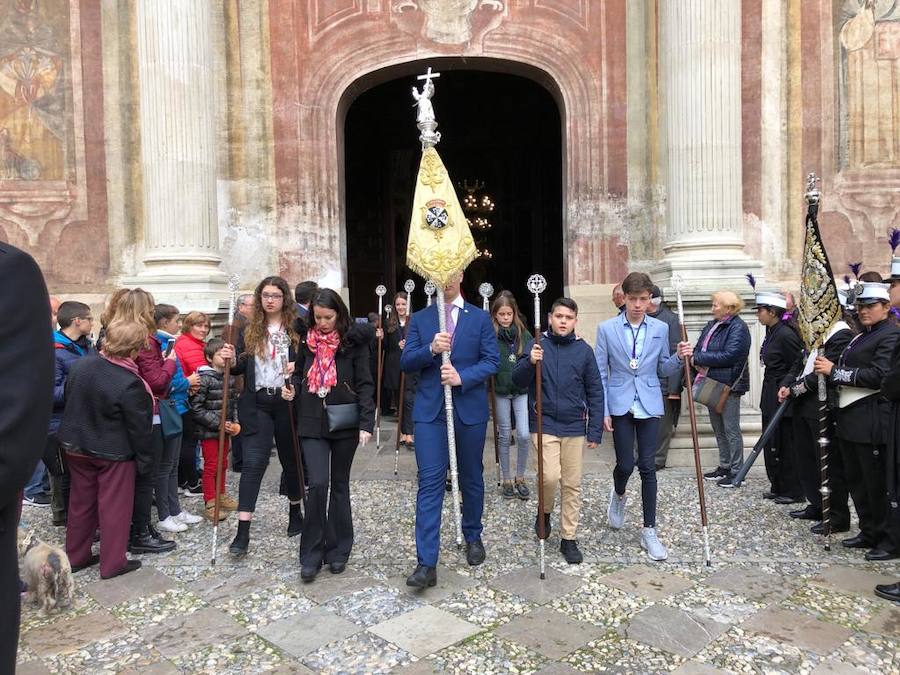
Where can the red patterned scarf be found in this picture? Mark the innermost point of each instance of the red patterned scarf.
(322, 374)
(132, 367)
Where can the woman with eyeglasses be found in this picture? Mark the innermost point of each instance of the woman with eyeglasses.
(262, 409)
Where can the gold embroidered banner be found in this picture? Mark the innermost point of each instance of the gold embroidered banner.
(819, 305)
(440, 243)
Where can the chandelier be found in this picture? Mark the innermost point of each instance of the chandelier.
(478, 205)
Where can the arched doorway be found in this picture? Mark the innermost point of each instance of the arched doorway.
(500, 131)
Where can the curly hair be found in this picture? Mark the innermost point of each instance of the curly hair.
(137, 305)
(256, 335)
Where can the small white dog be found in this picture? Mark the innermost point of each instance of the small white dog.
(47, 572)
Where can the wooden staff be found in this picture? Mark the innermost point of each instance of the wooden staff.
(233, 286)
(409, 286)
(677, 284)
(379, 363)
(537, 285)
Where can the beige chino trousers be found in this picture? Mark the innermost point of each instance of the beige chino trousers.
(562, 467)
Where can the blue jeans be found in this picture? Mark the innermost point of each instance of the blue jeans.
(625, 429)
(39, 482)
(504, 408)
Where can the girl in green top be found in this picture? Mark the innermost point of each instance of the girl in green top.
(509, 400)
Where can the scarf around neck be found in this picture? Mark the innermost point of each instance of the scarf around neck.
(130, 366)
(322, 373)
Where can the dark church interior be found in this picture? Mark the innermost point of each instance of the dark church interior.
(501, 142)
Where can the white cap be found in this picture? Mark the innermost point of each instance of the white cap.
(895, 268)
(771, 299)
(871, 292)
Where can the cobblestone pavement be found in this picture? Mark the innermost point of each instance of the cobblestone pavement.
(773, 601)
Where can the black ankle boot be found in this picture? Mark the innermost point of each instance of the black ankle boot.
(241, 539)
(148, 540)
(295, 520)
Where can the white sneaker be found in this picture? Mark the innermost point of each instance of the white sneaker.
(615, 514)
(171, 525)
(186, 518)
(653, 546)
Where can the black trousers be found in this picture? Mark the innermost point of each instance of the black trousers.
(806, 452)
(9, 586)
(411, 381)
(866, 470)
(187, 459)
(780, 460)
(328, 525)
(272, 421)
(237, 453)
(144, 483)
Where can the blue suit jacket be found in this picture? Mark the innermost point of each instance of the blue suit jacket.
(474, 355)
(620, 382)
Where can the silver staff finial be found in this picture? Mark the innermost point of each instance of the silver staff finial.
(430, 288)
(380, 291)
(425, 119)
(677, 282)
(409, 286)
(234, 283)
(536, 284)
(812, 188)
(485, 290)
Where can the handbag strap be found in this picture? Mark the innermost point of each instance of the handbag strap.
(740, 376)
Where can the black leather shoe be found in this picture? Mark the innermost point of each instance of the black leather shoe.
(569, 549)
(859, 541)
(880, 555)
(809, 513)
(149, 541)
(888, 591)
(475, 553)
(130, 566)
(295, 520)
(337, 566)
(241, 540)
(93, 560)
(769, 495)
(309, 572)
(819, 528)
(537, 520)
(422, 577)
(787, 499)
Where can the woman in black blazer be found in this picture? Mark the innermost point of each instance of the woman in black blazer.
(332, 371)
(263, 411)
(106, 431)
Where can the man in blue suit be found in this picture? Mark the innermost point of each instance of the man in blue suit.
(632, 351)
(474, 358)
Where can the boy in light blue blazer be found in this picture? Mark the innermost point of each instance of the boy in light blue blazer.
(632, 351)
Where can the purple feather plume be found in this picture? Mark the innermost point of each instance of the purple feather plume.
(894, 239)
(855, 268)
(847, 279)
(751, 280)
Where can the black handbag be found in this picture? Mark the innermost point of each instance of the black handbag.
(342, 417)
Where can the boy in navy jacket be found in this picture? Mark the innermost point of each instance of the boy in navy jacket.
(572, 400)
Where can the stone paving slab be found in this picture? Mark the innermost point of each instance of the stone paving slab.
(651, 583)
(548, 632)
(754, 584)
(526, 583)
(141, 583)
(852, 580)
(449, 582)
(798, 629)
(68, 635)
(217, 588)
(886, 622)
(179, 635)
(832, 667)
(32, 668)
(329, 586)
(425, 630)
(302, 634)
(697, 668)
(558, 669)
(673, 630)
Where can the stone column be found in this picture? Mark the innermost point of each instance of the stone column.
(178, 154)
(700, 50)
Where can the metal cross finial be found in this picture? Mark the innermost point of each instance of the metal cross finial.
(409, 286)
(537, 284)
(812, 190)
(428, 75)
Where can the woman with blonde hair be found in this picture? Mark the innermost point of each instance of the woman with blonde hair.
(263, 412)
(721, 355)
(137, 306)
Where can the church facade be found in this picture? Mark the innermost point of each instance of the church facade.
(171, 143)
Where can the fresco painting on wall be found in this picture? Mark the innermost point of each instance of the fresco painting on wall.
(34, 124)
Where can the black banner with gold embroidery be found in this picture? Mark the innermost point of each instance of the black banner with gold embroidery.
(819, 305)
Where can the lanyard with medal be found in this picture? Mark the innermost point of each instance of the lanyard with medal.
(635, 334)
